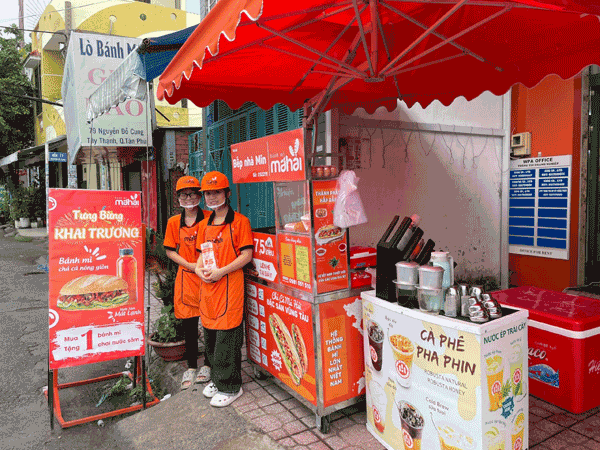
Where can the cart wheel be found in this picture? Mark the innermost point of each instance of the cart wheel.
(258, 374)
(323, 424)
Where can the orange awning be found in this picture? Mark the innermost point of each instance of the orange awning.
(350, 53)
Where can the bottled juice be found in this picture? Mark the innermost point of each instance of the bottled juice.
(127, 269)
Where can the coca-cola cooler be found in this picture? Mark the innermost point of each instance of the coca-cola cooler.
(564, 345)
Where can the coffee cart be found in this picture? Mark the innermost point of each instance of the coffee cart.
(432, 378)
(303, 319)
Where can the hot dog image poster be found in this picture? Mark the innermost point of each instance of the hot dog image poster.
(280, 337)
(96, 265)
(331, 248)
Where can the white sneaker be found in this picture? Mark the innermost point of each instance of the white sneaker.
(210, 390)
(221, 399)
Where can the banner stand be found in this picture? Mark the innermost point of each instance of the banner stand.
(54, 401)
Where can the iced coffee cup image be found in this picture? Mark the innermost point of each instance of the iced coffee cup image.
(376, 335)
(517, 432)
(403, 350)
(453, 438)
(495, 375)
(412, 425)
(493, 439)
(378, 405)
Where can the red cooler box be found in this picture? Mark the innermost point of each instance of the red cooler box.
(564, 345)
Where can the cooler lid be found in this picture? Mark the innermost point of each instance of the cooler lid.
(361, 252)
(570, 312)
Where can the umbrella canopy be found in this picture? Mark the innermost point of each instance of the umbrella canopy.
(369, 53)
(129, 79)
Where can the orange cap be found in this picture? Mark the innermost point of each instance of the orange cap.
(213, 181)
(187, 182)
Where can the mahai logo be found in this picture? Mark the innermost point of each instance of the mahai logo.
(51, 203)
(133, 200)
(291, 162)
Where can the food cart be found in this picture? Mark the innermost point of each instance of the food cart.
(303, 319)
(432, 378)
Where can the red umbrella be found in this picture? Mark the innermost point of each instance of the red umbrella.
(350, 53)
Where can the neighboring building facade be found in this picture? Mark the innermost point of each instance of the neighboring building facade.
(129, 170)
(563, 118)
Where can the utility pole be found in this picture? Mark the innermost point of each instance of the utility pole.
(22, 21)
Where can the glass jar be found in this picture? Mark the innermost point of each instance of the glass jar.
(127, 270)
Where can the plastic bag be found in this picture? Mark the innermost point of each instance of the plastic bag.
(348, 209)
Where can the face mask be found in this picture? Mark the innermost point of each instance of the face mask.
(216, 206)
(189, 206)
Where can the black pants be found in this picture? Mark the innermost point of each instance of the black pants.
(190, 332)
(224, 357)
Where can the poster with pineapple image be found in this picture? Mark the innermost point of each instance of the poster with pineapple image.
(506, 402)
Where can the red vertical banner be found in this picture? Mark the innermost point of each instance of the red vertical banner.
(96, 273)
(342, 350)
(279, 337)
(331, 249)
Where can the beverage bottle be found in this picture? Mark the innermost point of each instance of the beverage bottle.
(415, 221)
(127, 269)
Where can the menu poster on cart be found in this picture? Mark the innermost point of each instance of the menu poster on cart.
(430, 386)
(331, 246)
(277, 157)
(539, 206)
(295, 261)
(342, 349)
(280, 338)
(506, 405)
(96, 263)
(264, 258)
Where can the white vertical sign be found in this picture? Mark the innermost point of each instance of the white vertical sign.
(91, 58)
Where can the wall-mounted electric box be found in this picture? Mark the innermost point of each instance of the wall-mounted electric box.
(520, 144)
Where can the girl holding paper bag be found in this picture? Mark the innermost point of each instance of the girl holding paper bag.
(225, 243)
(180, 246)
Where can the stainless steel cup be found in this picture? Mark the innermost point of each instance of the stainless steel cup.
(477, 312)
(492, 306)
(476, 291)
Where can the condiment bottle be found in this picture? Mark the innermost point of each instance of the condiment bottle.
(463, 290)
(127, 269)
(452, 302)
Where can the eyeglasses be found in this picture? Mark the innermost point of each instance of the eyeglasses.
(184, 195)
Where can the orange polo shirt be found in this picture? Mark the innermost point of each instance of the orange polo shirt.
(222, 303)
(182, 239)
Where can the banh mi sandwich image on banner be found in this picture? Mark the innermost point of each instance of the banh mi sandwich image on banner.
(286, 347)
(329, 233)
(91, 292)
(300, 347)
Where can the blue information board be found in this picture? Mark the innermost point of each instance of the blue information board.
(539, 206)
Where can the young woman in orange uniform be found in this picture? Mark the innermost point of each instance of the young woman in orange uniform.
(229, 235)
(180, 246)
